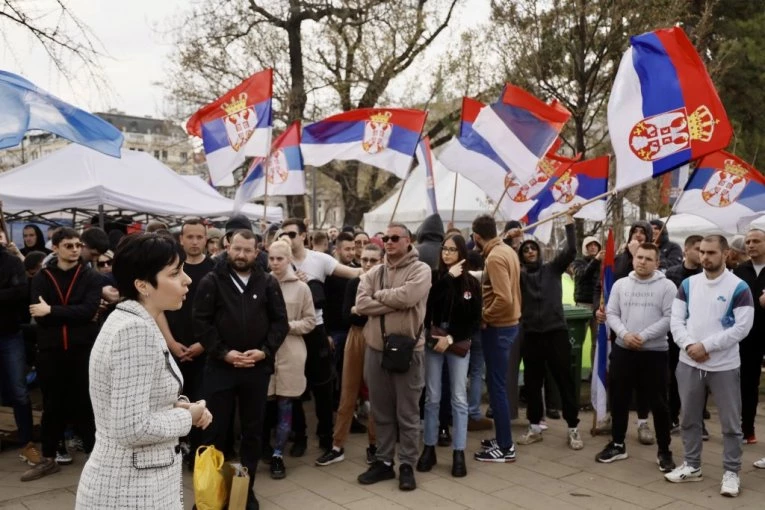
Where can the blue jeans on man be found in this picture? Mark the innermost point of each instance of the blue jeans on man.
(475, 378)
(497, 342)
(13, 383)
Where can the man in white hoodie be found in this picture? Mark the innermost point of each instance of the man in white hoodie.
(638, 313)
(712, 313)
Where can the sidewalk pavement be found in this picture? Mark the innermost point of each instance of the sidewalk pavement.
(546, 476)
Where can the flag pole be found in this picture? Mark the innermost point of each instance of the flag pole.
(672, 209)
(398, 199)
(2, 223)
(265, 195)
(496, 208)
(561, 213)
(454, 198)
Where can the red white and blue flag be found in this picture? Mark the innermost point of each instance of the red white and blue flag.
(598, 394)
(281, 173)
(664, 110)
(724, 190)
(582, 182)
(236, 125)
(425, 159)
(382, 137)
(521, 128)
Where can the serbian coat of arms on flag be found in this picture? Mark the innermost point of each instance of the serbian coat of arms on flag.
(377, 132)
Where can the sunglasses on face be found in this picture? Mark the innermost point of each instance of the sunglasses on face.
(104, 263)
(448, 249)
(365, 260)
(71, 246)
(291, 235)
(393, 239)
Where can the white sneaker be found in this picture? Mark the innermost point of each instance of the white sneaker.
(760, 463)
(543, 425)
(575, 440)
(730, 485)
(684, 473)
(530, 437)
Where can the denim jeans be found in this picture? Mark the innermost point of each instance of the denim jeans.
(497, 342)
(475, 376)
(458, 369)
(13, 384)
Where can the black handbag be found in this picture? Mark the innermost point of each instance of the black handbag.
(459, 348)
(398, 350)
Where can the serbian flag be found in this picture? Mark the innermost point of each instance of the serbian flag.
(425, 158)
(724, 190)
(281, 173)
(382, 137)
(582, 182)
(521, 128)
(24, 106)
(673, 183)
(664, 110)
(598, 394)
(236, 125)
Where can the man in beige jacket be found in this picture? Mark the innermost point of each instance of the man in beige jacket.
(397, 291)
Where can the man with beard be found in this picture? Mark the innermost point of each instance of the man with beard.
(712, 313)
(240, 319)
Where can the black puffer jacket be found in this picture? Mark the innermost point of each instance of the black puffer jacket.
(430, 235)
(670, 254)
(455, 301)
(542, 295)
(623, 261)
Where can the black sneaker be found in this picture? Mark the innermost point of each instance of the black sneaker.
(496, 455)
(406, 481)
(330, 457)
(704, 432)
(444, 437)
(611, 453)
(489, 444)
(298, 447)
(675, 428)
(357, 427)
(665, 462)
(267, 452)
(377, 472)
(63, 457)
(278, 470)
(371, 454)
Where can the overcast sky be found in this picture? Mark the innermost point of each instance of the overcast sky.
(131, 34)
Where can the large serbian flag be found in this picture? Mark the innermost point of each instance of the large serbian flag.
(724, 190)
(581, 183)
(281, 173)
(664, 110)
(382, 137)
(236, 125)
(521, 129)
(425, 159)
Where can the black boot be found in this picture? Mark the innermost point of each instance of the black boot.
(427, 460)
(459, 469)
(299, 447)
(444, 437)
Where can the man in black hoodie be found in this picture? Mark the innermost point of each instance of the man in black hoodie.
(545, 333)
(670, 254)
(430, 235)
(240, 319)
(64, 301)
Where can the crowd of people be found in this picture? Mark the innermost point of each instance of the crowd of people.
(147, 346)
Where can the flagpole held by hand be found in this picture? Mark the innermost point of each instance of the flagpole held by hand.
(454, 198)
(561, 213)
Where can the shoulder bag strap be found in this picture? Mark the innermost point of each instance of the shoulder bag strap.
(382, 286)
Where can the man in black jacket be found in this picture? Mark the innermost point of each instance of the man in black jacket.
(752, 348)
(241, 320)
(430, 235)
(545, 333)
(670, 254)
(64, 301)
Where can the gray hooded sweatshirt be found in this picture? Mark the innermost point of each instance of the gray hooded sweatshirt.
(643, 307)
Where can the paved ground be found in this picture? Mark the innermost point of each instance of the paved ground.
(546, 476)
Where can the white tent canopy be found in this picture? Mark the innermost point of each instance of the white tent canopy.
(76, 177)
(471, 201)
(683, 225)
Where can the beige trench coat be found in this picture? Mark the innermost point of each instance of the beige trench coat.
(288, 379)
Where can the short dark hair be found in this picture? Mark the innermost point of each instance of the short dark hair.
(33, 259)
(691, 240)
(719, 238)
(193, 221)
(362, 233)
(142, 257)
(343, 237)
(155, 225)
(65, 233)
(394, 224)
(244, 234)
(295, 221)
(650, 247)
(96, 239)
(485, 226)
(319, 236)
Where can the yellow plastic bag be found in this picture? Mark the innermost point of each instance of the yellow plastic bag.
(210, 487)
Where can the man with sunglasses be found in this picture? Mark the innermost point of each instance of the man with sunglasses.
(64, 300)
(313, 268)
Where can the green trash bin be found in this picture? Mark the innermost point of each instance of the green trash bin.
(577, 319)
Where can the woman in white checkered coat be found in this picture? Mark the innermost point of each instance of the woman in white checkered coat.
(135, 387)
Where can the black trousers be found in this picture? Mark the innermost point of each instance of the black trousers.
(553, 350)
(224, 386)
(63, 376)
(674, 394)
(320, 373)
(751, 367)
(647, 370)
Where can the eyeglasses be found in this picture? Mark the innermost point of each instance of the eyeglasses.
(365, 260)
(393, 239)
(104, 263)
(71, 246)
(528, 248)
(291, 235)
(448, 249)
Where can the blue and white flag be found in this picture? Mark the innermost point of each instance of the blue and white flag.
(425, 158)
(24, 106)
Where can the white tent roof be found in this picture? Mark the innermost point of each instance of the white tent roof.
(78, 177)
(683, 225)
(249, 209)
(471, 201)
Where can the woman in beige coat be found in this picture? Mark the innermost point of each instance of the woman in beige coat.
(288, 381)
